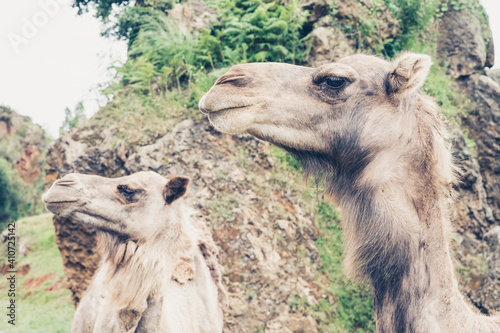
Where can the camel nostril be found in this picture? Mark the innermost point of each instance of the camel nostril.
(66, 181)
(234, 78)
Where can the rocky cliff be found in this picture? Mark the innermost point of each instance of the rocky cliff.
(262, 218)
(465, 44)
(23, 144)
(22, 154)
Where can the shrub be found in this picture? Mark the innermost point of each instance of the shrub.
(13, 194)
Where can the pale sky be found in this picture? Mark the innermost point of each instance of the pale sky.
(51, 58)
(62, 61)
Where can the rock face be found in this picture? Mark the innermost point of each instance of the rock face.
(484, 128)
(194, 16)
(328, 46)
(263, 230)
(472, 213)
(466, 47)
(494, 74)
(329, 42)
(23, 144)
(10, 122)
(478, 207)
(464, 43)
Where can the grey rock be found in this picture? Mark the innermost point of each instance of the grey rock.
(327, 46)
(483, 124)
(462, 43)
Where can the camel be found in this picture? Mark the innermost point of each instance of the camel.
(362, 127)
(159, 271)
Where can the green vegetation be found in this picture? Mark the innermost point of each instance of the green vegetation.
(415, 19)
(12, 200)
(354, 302)
(256, 30)
(43, 302)
(170, 68)
(73, 118)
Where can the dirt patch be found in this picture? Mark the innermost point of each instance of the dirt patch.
(35, 283)
(23, 270)
(4, 269)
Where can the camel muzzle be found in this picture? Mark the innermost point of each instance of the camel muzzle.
(63, 194)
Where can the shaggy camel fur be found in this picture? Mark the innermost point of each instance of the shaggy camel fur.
(362, 126)
(159, 272)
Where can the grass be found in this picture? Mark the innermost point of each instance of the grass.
(43, 302)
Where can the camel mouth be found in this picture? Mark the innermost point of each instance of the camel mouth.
(56, 205)
(221, 110)
(232, 120)
(60, 202)
(210, 105)
(62, 207)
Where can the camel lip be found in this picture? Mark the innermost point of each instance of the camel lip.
(60, 207)
(60, 202)
(208, 111)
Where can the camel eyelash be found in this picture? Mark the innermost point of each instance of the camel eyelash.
(124, 189)
(335, 82)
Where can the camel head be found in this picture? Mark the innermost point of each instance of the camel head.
(138, 206)
(336, 110)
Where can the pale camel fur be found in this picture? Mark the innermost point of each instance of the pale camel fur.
(159, 272)
(362, 126)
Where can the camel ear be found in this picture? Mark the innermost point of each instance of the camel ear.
(176, 187)
(408, 74)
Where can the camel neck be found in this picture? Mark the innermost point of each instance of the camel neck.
(399, 243)
(132, 268)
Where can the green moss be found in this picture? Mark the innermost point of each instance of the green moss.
(137, 119)
(470, 143)
(443, 88)
(354, 302)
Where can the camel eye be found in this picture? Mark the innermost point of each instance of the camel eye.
(335, 82)
(127, 191)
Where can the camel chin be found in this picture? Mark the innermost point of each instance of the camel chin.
(232, 121)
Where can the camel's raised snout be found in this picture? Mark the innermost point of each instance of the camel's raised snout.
(65, 192)
(244, 96)
(104, 203)
(231, 84)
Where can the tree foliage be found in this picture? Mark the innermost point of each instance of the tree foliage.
(73, 118)
(13, 201)
(103, 7)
